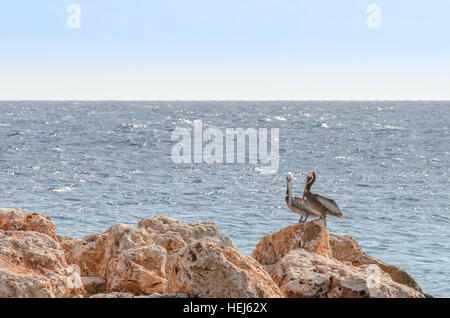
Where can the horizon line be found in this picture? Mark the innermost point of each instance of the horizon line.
(225, 100)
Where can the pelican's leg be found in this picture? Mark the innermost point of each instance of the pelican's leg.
(301, 219)
(306, 218)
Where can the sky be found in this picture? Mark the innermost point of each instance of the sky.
(225, 50)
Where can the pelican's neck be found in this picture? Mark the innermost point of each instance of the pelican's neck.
(289, 195)
(310, 183)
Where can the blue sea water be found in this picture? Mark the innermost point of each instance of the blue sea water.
(90, 165)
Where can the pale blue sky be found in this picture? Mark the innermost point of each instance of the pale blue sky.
(229, 49)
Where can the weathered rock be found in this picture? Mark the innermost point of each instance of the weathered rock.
(134, 263)
(174, 235)
(128, 295)
(94, 285)
(121, 237)
(312, 236)
(301, 273)
(32, 264)
(87, 253)
(134, 260)
(205, 269)
(171, 241)
(346, 248)
(21, 220)
(305, 261)
(165, 257)
(126, 257)
(139, 270)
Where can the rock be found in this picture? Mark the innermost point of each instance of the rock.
(168, 296)
(312, 236)
(32, 264)
(171, 241)
(121, 237)
(127, 295)
(87, 253)
(94, 285)
(115, 295)
(135, 264)
(346, 248)
(210, 270)
(21, 220)
(139, 270)
(126, 257)
(306, 261)
(301, 273)
(165, 257)
(174, 235)
(134, 260)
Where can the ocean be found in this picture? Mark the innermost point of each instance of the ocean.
(90, 165)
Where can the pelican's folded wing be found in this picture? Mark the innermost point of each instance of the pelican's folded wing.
(305, 206)
(331, 205)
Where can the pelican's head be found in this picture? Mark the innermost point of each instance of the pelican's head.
(310, 176)
(289, 177)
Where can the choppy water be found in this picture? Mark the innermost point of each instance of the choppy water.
(90, 165)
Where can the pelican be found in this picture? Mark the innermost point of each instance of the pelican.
(318, 202)
(296, 204)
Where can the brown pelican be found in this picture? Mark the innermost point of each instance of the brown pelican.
(318, 202)
(296, 204)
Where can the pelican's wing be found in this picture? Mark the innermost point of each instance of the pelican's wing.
(330, 205)
(305, 206)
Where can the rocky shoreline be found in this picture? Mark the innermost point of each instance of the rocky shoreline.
(164, 257)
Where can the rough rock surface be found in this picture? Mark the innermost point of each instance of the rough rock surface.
(174, 235)
(205, 269)
(133, 260)
(306, 261)
(128, 295)
(134, 263)
(164, 257)
(94, 285)
(126, 257)
(32, 264)
(312, 236)
(304, 274)
(87, 253)
(21, 220)
(346, 248)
